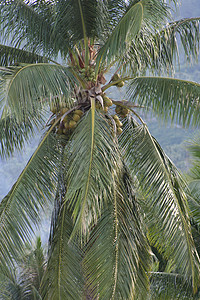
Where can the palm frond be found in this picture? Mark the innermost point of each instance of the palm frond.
(30, 25)
(165, 200)
(168, 97)
(194, 202)
(116, 9)
(89, 174)
(13, 135)
(194, 148)
(11, 56)
(139, 15)
(194, 180)
(127, 29)
(196, 234)
(26, 89)
(31, 192)
(63, 278)
(82, 19)
(187, 30)
(170, 286)
(10, 287)
(158, 50)
(117, 259)
(31, 265)
(22, 281)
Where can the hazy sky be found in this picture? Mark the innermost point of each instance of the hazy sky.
(189, 8)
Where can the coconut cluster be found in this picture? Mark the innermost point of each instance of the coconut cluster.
(104, 103)
(58, 107)
(68, 121)
(122, 111)
(118, 124)
(88, 74)
(67, 118)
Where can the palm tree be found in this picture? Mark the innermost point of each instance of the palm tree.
(115, 192)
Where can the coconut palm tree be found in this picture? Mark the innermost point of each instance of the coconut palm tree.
(115, 192)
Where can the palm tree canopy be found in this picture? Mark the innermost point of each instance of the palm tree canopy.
(115, 191)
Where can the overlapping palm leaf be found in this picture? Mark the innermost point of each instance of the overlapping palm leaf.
(129, 26)
(64, 256)
(81, 18)
(159, 49)
(23, 280)
(194, 181)
(117, 248)
(31, 26)
(10, 286)
(19, 210)
(185, 30)
(126, 29)
(13, 134)
(170, 286)
(10, 56)
(28, 88)
(89, 175)
(63, 276)
(168, 97)
(116, 10)
(164, 199)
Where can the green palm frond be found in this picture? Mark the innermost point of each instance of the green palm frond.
(100, 257)
(13, 135)
(196, 234)
(19, 210)
(10, 56)
(10, 286)
(117, 257)
(170, 286)
(127, 29)
(22, 281)
(31, 25)
(158, 51)
(194, 180)
(89, 174)
(168, 97)
(63, 278)
(81, 18)
(116, 9)
(194, 149)
(139, 15)
(187, 30)
(31, 266)
(28, 88)
(164, 199)
(194, 203)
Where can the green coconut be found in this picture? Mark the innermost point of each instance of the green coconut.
(107, 101)
(76, 117)
(115, 77)
(120, 84)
